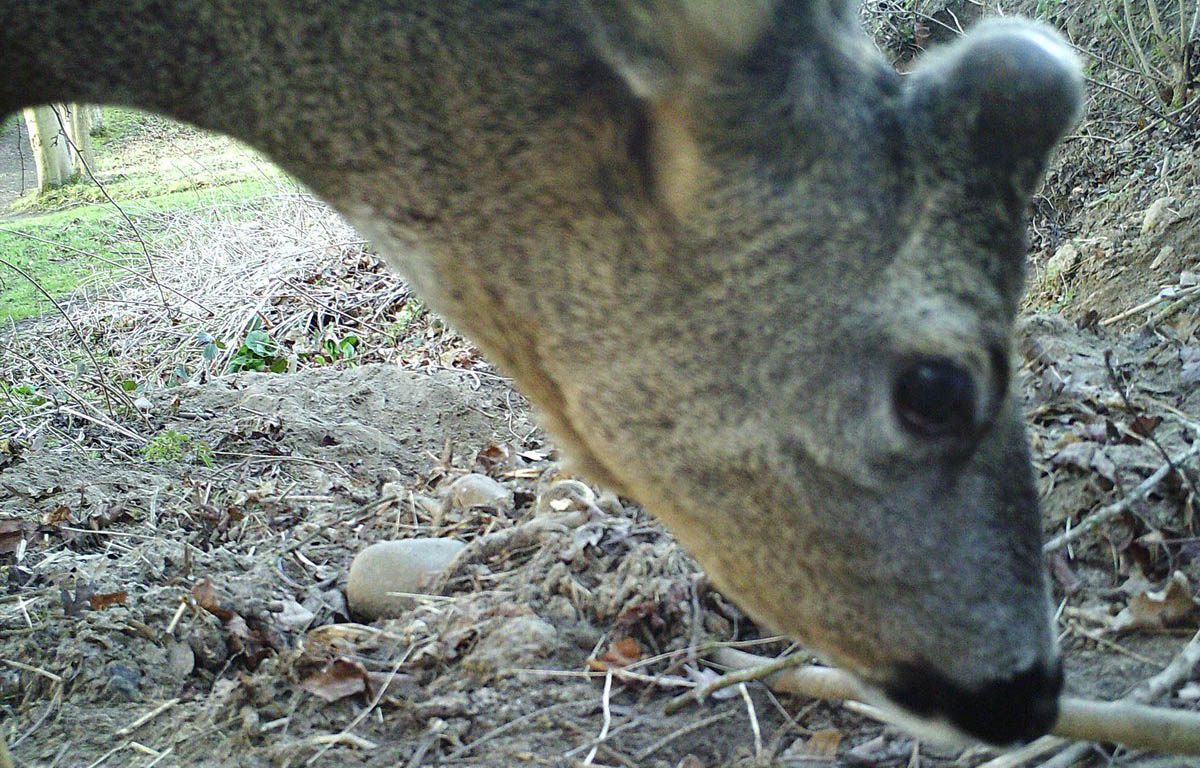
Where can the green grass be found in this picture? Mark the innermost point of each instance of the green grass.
(148, 165)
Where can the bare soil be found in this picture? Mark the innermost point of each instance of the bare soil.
(17, 173)
(186, 607)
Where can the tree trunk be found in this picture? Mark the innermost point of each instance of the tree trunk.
(78, 119)
(51, 151)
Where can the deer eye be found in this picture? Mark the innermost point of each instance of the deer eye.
(935, 397)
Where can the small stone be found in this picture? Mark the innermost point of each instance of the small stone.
(1164, 253)
(1064, 261)
(181, 659)
(389, 567)
(1158, 215)
(123, 682)
(517, 642)
(477, 490)
(565, 496)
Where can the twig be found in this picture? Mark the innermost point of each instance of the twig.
(467, 748)
(104, 191)
(147, 717)
(754, 728)
(1030, 751)
(29, 668)
(111, 262)
(1150, 72)
(1104, 514)
(1181, 298)
(743, 674)
(1124, 722)
(604, 702)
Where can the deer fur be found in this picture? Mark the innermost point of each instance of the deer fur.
(717, 243)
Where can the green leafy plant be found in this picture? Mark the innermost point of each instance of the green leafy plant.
(259, 352)
(170, 445)
(340, 349)
(24, 392)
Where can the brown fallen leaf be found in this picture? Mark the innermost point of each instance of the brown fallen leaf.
(824, 744)
(340, 679)
(105, 601)
(1150, 609)
(60, 514)
(620, 653)
(12, 532)
(206, 597)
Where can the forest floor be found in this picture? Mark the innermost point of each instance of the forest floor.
(191, 457)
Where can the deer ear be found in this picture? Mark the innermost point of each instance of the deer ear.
(659, 46)
(1001, 98)
(663, 49)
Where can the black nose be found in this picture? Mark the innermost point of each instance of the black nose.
(1015, 709)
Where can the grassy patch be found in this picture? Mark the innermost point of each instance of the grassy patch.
(71, 237)
(81, 247)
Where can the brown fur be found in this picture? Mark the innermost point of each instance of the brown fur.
(705, 238)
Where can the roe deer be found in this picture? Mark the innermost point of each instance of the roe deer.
(749, 275)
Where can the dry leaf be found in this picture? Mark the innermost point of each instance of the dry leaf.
(621, 653)
(206, 597)
(1144, 426)
(12, 532)
(107, 600)
(340, 679)
(824, 743)
(1155, 609)
(60, 514)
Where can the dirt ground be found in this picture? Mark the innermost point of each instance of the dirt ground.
(185, 606)
(17, 174)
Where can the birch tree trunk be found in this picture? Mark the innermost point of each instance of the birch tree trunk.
(78, 120)
(51, 151)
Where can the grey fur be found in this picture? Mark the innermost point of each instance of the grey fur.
(704, 256)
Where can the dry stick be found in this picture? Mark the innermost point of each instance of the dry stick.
(665, 740)
(1181, 298)
(1102, 515)
(1149, 72)
(1156, 22)
(1137, 100)
(467, 748)
(335, 310)
(1125, 722)
(1115, 380)
(82, 341)
(147, 717)
(42, 368)
(1030, 751)
(743, 674)
(1174, 673)
(607, 722)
